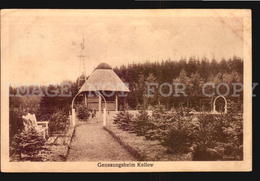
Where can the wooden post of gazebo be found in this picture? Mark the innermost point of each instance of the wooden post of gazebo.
(85, 99)
(99, 105)
(116, 102)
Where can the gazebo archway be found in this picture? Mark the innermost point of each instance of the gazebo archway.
(102, 80)
(73, 112)
(214, 104)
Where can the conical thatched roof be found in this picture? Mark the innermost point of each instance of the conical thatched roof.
(103, 66)
(103, 78)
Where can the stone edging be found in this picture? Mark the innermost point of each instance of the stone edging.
(71, 135)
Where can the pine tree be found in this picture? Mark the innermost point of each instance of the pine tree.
(28, 145)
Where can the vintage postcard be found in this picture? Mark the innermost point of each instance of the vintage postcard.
(126, 90)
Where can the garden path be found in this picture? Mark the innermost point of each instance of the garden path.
(92, 143)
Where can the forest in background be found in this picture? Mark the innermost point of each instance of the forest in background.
(192, 72)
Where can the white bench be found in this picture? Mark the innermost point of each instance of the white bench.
(30, 121)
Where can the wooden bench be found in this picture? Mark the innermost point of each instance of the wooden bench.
(30, 121)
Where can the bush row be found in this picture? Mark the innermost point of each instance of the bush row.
(207, 136)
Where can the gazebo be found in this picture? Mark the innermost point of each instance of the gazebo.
(102, 84)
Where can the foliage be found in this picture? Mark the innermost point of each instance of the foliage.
(234, 136)
(83, 112)
(124, 120)
(193, 72)
(177, 140)
(222, 134)
(58, 122)
(207, 130)
(202, 153)
(142, 123)
(28, 145)
(159, 123)
(60, 100)
(19, 106)
(158, 111)
(15, 122)
(178, 137)
(207, 136)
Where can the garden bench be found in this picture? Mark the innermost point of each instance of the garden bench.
(30, 121)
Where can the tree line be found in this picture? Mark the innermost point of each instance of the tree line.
(192, 72)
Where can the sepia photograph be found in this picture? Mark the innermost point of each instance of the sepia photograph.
(126, 90)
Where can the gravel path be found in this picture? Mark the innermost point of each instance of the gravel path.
(92, 143)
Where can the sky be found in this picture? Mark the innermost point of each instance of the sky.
(44, 46)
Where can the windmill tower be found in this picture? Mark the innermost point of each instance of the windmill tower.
(83, 64)
(82, 58)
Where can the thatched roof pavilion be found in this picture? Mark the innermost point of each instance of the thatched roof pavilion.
(103, 78)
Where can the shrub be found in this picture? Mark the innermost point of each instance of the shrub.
(142, 123)
(179, 135)
(159, 127)
(218, 134)
(124, 120)
(207, 136)
(28, 145)
(161, 122)
(202, 153)
(158, 111)
(177, 141)
(83, 112)
(233, 133)
(59, 122)
(206, 130)
(19, 106)
(15, 122)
